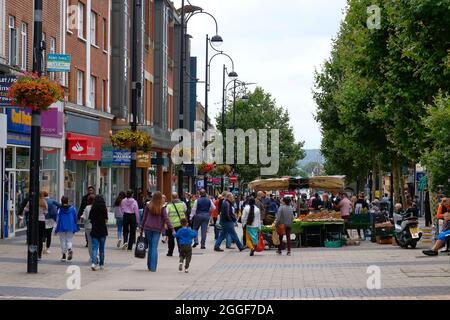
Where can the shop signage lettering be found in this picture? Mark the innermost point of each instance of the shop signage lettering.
(143, 160)
(121, 158)
(5, 83)
(19, 121)
(84, 147)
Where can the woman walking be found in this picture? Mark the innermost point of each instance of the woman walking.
(99, 232)
(43, 211)
(50, 220)
(87, 223)
(155, 216)
(130, 210)
(118, 215)
(285, 216)
(66, 227)
(251, 220)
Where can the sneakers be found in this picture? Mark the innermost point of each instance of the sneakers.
(70, 255)
(203, 247)
(63, 258)
(288, 253)
(218, 250)
(180, 267)
(195, 245)
(124, 246)
(186, 271)
(102, 267)
(94, 267)
(430, 252)
(119, 243)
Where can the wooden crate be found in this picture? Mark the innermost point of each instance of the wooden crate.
(384, 240)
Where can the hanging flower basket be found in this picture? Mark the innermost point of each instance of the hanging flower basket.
(127, 139)
(223, 169)
(205, 168)
(37, 93)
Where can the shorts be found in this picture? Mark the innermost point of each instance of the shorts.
(444, 234)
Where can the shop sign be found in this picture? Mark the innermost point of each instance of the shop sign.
(86, 148)
(52, 122)
(107, 156)
(58, 62)
(3, 131)
(19, 120)
(143, 160)
(121, 158)
(5, 83)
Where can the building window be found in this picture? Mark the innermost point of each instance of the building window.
(93, 28)
(24, 51)
(104, 96)
(80, 15)
(105, 34)
(80, 87)
(52, 51)
(92, 93)
(12, 41)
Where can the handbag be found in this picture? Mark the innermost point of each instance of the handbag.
(140, 250)
(281, 229)
(260, 246)
(275, 238)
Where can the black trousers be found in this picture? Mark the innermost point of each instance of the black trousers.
(41, 237)
(172, 241)
(48, 237)
(186, 254)
(129, 229)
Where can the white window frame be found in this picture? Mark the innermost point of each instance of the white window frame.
(93, 83)
(80, 77)
(12, 27)
(24, 43)
(93, 28)
(80, 20)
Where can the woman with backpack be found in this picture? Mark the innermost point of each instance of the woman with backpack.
(155, 216)
(66, 227)
(118, 215)
(251, 220)
(50, 220)
(99, 217)
(43, 211)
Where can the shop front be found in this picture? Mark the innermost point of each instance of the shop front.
(81, 168)
(16, 165)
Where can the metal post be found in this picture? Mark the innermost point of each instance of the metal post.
(222, 182)
(205, 179)
(135, 93)
(181, 122)
(234, 128)
(35, 152)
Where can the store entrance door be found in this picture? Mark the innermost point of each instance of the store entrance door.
(9, 204)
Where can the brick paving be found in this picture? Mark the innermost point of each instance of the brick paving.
(310, 273)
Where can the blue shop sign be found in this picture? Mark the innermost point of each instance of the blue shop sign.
(5, 83)
(121, 158)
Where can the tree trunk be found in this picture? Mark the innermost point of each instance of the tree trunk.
(374, 180)
(394, 172)
(401, 189)
(380, 182)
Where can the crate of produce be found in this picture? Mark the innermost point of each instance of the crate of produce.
(333, 244)
(384, 233)
(384, 240)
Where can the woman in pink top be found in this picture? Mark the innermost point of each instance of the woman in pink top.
(130, 210)
(345, 206)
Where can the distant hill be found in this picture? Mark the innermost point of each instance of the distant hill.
(311, 155)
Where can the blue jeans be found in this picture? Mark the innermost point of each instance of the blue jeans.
(119, 224)
(98, 244)
(152, 240)
(201, 221)
(228, 229)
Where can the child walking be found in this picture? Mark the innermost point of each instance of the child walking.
(185, 236)
(66, 227)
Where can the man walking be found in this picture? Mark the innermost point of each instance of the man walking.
(227, 220)
(200, 215)
(176, 210)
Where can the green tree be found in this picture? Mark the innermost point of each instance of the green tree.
(262, 112)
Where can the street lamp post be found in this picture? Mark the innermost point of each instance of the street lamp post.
(33, 230)
(135, 93)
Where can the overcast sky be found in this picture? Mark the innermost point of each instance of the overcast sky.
(277, 44)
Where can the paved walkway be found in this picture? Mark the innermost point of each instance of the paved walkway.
(310, 273)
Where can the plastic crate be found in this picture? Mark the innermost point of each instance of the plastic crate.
(384, 240)
(333, 244)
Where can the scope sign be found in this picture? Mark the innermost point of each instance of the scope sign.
(58, 63)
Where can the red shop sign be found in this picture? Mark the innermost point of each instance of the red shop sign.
(82, 147)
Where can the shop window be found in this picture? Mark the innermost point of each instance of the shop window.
(50, 171)
(23, 158)
(9, 158)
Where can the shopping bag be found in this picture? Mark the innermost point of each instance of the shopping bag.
(260, 246)
(275, 238)
(281, 229)
(139, 251)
